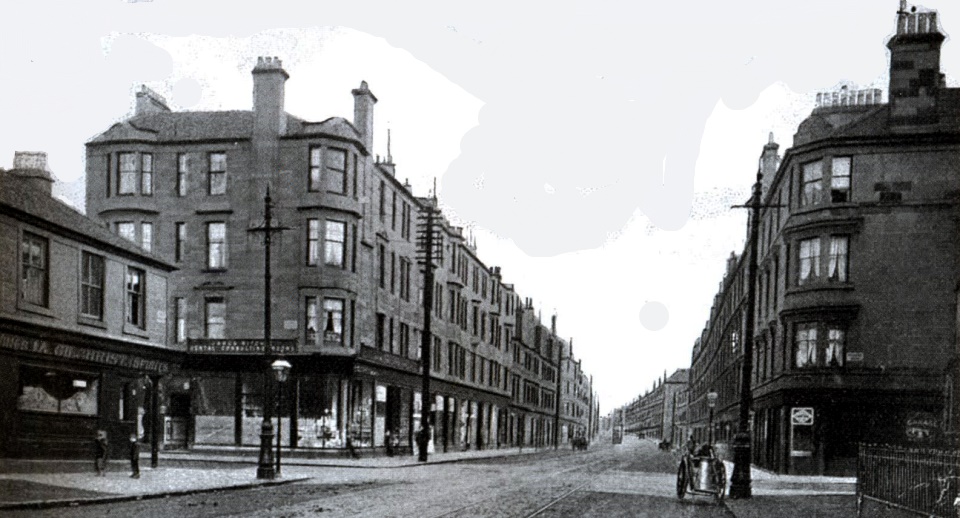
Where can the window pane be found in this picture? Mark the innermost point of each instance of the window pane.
(333, 320)
(840, 180)
(127, 230)
(91, 285)
(33, 266)
(312, 321)
(216, 245)
(218, 173)
(181, 241)
(835, 343)
(315, 167)
(809, 260)
(146, 174)
(313, 241)
(838, 258)
(183, 168)
(135, 297)
(336, 170)
(216, 318)
(812, 183)
(128, 173)
(334, 242)
(806, 345)
(181, 319)
(146, 236)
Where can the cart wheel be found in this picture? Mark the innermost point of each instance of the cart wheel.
(720, 479)
(681, 481)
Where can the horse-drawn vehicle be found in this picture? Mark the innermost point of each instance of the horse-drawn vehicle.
(579, 442)
(702, 473)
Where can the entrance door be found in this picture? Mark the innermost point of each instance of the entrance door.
(176, 430)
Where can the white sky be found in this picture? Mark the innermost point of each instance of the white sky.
(594, 148)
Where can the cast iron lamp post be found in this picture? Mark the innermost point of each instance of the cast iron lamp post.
(281, 368)
(265, 467)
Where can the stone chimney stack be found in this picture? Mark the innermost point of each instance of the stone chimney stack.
(769, 162)
(149, 101)
(915, 67)
(269, 80)
(363, 101)
(31, 167)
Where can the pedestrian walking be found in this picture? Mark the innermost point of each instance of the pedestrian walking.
(101, 449)
(134, 456)
(389, 443)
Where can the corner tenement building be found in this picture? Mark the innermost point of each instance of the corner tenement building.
(856, 305)
(346, 297)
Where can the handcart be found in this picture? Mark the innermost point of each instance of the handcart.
(702, 473)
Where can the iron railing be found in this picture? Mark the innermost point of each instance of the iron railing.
(921, 480)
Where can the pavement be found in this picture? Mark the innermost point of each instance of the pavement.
(795, 495)
(38, 484)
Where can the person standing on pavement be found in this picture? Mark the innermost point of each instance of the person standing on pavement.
(134, 456)
(100, 452)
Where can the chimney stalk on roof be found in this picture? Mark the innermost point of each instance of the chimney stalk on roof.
(149, 101)
(269, 79)
(30, 167)
(363, 101)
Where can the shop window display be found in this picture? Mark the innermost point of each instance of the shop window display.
(58, 392)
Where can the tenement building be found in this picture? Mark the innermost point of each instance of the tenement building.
(660, 412)
(346, 276)
(856, 304)
(83, 326)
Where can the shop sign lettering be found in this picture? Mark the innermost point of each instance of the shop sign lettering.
(240, 346)
(70, 352)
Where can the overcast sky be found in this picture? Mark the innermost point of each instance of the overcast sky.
(594, 148)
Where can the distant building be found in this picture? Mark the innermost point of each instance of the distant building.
(83, 326)
(660, 413)
(856, 304)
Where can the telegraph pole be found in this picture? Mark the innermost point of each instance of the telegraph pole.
(742, 455)
(429, 249)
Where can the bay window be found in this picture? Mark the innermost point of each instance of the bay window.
(819, 344)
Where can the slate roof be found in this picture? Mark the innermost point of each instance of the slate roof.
(24, 201)
(215, 125)
(871, 121)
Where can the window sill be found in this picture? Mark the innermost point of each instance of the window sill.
(132, 330)
(213, 270)
(91, 321)
(28, 307)
(821, 286)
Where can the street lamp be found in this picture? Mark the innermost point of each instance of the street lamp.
(281, 368)
(711, 403)
(265, 468)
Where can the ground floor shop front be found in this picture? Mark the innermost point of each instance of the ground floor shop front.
(58, 390)
(333, 404)
(819, 432)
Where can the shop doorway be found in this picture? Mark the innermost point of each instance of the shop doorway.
(177, 422)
